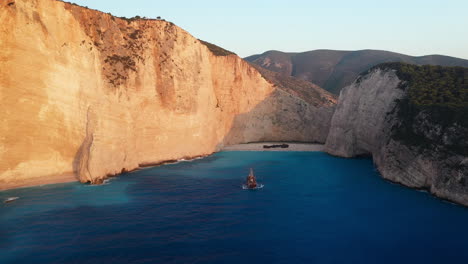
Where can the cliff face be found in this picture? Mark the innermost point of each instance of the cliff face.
(360, 120)
(418, 148)
(282, 117)
(296, 111)
(86, 95)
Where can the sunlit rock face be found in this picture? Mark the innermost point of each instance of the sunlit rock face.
(85, 95)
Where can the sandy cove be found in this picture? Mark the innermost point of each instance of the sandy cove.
(53, 179)
(259, 147)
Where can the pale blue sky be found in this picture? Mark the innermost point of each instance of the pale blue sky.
(247, 27)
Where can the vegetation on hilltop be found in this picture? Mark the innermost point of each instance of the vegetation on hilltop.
(433, 85)
(216, 50)
(435, 110)
(135, 18)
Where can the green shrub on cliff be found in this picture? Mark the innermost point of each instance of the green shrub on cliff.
(434, 112)
(430, 85)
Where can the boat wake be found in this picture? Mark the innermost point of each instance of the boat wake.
(259, 186)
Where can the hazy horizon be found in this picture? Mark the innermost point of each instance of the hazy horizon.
(415, 28)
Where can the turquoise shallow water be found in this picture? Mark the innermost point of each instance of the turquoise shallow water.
(314, 208)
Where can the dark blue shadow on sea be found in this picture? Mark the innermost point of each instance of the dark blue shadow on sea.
(314, 208)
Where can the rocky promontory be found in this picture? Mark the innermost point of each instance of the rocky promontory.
(413, 120)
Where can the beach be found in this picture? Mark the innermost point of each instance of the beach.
(36, 181)
(69, 177)
(259, 147)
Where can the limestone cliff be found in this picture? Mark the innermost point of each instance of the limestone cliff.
(85, 94)
(296, 111)
(413, 141)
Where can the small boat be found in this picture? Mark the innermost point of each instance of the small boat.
(251, 182)
(11, 199)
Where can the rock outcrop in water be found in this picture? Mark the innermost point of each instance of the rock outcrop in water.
(85, 94)
(413, 124)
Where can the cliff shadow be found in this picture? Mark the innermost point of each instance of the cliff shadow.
(280, 117)
(81, 159)
(77, 161)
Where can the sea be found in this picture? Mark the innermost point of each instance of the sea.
(313, 208)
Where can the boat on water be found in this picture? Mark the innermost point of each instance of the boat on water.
(10, 199)
(251, 182)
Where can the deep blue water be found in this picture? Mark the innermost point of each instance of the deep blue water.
(314, 208)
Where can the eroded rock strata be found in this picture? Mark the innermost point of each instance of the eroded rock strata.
(415, 129)
(85, 94)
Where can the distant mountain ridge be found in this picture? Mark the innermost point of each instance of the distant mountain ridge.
(335, 69)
